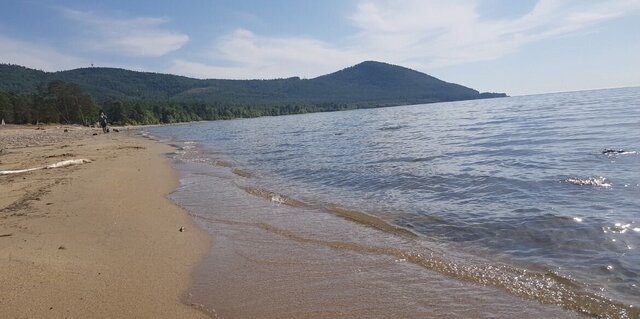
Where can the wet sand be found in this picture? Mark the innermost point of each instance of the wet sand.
(92, 240)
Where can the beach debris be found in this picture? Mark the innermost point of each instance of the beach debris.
(18, 171)
(116, 130)
(94, 134)
(51, 166)
(68, 163)
(181, 229)
(6, 235)
(62, 248)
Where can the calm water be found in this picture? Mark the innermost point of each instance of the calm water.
(510, 194)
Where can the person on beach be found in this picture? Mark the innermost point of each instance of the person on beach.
(103, 122)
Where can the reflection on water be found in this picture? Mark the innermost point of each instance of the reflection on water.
(547, 184)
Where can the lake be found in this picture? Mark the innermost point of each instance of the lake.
(520, 206)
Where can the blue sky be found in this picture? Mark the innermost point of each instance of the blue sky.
(513, 46)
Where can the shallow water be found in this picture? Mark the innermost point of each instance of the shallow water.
(447, 209)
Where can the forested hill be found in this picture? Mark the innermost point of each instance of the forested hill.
(369, 82)
(143, 97)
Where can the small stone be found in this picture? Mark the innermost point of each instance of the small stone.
(181, 229)
(62, 248)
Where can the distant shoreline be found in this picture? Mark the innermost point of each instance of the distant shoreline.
(131, 97)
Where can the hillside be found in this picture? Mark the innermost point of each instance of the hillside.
(377, 82)
(366, 84)
(19, 79)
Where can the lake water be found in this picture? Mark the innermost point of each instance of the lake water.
(492, 208)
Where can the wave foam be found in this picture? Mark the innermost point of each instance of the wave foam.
(598, 181)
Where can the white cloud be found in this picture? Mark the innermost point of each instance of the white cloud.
(36, 56)
(138, 37)
(431, 33)
(422, 34)
(247, 55)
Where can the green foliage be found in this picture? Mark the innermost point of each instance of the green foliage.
(15, 78)
(59, 102)
(130, 97)
(68, 102)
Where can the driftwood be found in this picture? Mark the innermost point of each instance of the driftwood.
(54, 165)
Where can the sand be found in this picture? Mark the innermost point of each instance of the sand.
(97, 239)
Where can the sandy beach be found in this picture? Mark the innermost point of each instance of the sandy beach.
(92, 240)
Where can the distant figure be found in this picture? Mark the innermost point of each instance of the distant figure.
(3, 122)
(103, 122)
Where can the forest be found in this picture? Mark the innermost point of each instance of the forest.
(67, 103)
(131, 97)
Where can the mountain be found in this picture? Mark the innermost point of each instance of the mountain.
(377, 82)
(19, 79)
(368, 84)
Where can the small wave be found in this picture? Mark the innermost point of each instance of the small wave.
(369, 220)
(546, 287)
(276, 198)
(352, 215)
(242, 172)
(190, 151)
(273, 196)
(598, 181)
(391, 128)
(204, 160)
(614, 152)
(403, 160)
(223, 163)
(424, 159)
(149, 136)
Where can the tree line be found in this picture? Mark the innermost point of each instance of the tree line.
(68, 103)
(56, 102)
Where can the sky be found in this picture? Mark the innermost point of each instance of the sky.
(513, 46)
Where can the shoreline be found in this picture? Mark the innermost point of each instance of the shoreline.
(280, 258)
(97, 239)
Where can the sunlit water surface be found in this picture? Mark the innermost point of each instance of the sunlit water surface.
(509, 199)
